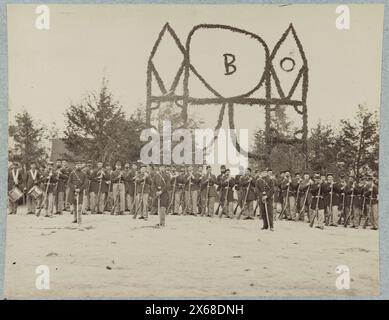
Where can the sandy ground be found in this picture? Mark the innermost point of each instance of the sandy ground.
(116, 256)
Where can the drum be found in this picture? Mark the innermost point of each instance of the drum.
(15, 194)
(35, 192)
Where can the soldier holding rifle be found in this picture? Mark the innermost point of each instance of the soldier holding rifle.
(371, 194)
(179, 181)
(289, 189)
(332, 197)
(226, 203)
(66, 170)
(265, 190)
(132, 186)
(50, 179)
(352, 215)
(77, 184)
(317, 204)
(161, 181)
(118, 191)
(192, 180)
(144, 183)
(208, 193)
(62, 176)
(296, 185)
(248, 189)
(98, 188)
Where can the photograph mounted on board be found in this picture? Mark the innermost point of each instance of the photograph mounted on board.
(193, 150)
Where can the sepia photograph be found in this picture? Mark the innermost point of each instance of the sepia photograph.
(193, 151)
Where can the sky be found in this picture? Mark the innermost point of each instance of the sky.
(50, 69)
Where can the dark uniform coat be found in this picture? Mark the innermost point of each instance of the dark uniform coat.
(161, 181)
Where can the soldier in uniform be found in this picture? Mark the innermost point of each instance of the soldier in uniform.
(342, 200)
(238, 186)
(220, 177)
(77, 184)
(265, 189)
(66, 170)
(208, 193)
(15, 179)
(296, 185)
(32, 179)
(87, 169)
(118, 190)
(332, 199)
(271, 176)
(317, 204)
(126, 184)
(98, 188)
(192, 180)
(226, 205)
(161, 181)
(352, 215)
(279, 193)
(50, 179)
(306, 196)
(144, 182)
(109, 195)
(249, 195)
(60, 188)
(132, 186)
(180, 180)
(371, 194)
(289, 189)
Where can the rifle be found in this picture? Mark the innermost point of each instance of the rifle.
(245, 200)
(305, 200)
(68, 191)
(55, 193)
(207, 199)
(297, 202)
(117, 196)
(267, 214)
(108, 197)
(343, 207)
(173, 195)
(190, 196)
(97, 204)
(317, 207)
(281, 215)
(369, 212)
(159, 204)
(351, 207)
(78, 213)
(330, 209)
(363, 210)
(140, 203)
(134, 197)
(44, 197)
(227, 188)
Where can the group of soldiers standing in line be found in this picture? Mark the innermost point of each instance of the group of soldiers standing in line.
(194, 190)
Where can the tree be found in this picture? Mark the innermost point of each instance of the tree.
(358, 143)
(322, 154)
(284, 155)
(98, 129)
(27, 135)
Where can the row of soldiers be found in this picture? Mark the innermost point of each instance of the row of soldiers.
(142, 189)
